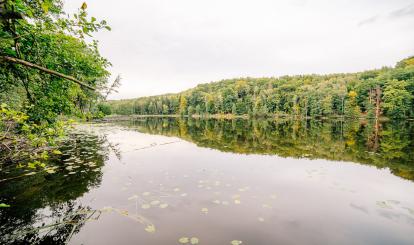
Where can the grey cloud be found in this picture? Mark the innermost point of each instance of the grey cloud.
(368, 21)
(403, 12)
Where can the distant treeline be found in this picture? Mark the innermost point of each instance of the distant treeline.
(385, 92)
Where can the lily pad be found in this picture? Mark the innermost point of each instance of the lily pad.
(383, 204)
(236, 242)
(107, 209)
(145, 206)
(411, 211)
(155, 202)
(163, 205)
(183, 240)
(194, 240)
(134, 197)
(150, 228)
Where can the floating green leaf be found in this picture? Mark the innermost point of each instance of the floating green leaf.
(383, 204)
(183, 240)
(150, 228)
(155, 202)
(133, 197)
(411, 211)
(236, 242)
(3, 205)
(107, 209)
(163, 205)
(194, 240)
(145, 206)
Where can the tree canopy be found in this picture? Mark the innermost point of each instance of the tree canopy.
(386, 91)
(52, 50)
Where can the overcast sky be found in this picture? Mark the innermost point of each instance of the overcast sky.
(163, 46)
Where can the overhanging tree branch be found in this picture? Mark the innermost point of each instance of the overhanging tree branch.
(43, 69)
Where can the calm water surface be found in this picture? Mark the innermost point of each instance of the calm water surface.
(161, 181)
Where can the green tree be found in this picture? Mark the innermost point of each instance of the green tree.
(352, 109)
(183, 105)
(397, 100)
(48, 61)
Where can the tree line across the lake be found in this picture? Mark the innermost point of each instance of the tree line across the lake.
(376, 93)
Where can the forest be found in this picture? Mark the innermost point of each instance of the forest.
(386, 92)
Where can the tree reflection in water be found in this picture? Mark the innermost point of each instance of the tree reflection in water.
(44, 208)
(386, 144)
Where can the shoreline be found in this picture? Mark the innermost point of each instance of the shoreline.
(245, 117)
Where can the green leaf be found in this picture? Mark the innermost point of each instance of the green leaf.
(236, 242)
(183, 240)
(150, 228)
(57, 152)
(194, 240)
(3, 205)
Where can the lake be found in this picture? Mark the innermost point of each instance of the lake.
(197, 181)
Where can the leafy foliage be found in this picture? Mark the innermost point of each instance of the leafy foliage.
(24, 140)
(44, 35)
(369, 94)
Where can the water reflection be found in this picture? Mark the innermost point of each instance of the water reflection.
(42, 208)
(129, 184)
(388, 144)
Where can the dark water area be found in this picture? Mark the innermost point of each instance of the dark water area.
(188, 181)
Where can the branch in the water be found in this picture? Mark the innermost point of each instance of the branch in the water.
(40, 68)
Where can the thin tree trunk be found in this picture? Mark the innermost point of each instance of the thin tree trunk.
(377, 102)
